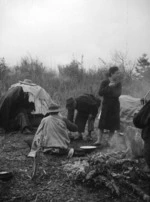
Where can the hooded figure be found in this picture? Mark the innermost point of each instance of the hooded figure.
(52, 132)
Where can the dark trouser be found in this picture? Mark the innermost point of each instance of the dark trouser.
(91, 124)
(81, 120)
(70, 115)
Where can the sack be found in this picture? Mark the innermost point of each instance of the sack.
(134, 142)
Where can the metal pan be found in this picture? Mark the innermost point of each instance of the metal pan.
(88, 148)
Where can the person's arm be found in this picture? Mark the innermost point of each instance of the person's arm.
(70, 115)
(70, 126)
(117, 89)
(112, 90)
(93, 111)
(104, 88)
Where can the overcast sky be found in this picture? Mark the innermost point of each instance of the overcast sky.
(56, 31)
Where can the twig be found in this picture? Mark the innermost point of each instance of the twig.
(104, 198)
(34, 169)
(137, 190)
(36, 198)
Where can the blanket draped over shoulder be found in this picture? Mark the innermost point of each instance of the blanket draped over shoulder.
(51, 133)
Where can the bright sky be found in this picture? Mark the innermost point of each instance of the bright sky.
(56, 31)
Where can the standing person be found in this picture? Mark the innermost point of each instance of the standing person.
(110, 90)
(86, 107)
(141, 120)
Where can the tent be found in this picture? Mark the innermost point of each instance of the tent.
(37, 95)
(23, 94)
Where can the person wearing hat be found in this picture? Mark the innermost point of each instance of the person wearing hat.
(110, 90)
(52, 132)
(86, 107)
(27, 82)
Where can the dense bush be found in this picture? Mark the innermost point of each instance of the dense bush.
(73, 79)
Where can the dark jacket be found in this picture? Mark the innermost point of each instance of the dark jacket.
(142, 120)
(110, 114)
(85, 104)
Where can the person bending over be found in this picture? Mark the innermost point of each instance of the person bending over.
(86, 107)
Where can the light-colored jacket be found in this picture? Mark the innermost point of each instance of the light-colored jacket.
(51, 133)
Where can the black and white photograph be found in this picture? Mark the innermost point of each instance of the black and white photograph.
(74, 101)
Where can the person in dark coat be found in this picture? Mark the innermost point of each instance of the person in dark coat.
(86, 107)
(15, 110)
(110, 90)
(141, 120)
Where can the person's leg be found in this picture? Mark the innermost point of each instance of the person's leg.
(70, 115)
(23, 122)
(111, 133)
(90, 126)
(108, 140)
(80, 121)
(99, 137)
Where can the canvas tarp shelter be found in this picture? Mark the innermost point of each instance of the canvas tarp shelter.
(15, 98)
(37, 95)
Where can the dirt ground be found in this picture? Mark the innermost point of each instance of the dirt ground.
(51, 182)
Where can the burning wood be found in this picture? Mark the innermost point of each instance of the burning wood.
(110, 170)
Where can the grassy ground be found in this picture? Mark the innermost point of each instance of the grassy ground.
(51, 182)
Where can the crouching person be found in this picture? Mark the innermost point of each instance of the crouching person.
(52, 133)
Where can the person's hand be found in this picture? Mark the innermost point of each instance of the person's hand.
(70, 153)
(112, 84)
(118, 78)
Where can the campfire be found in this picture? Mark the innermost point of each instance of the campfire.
(115, 169)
